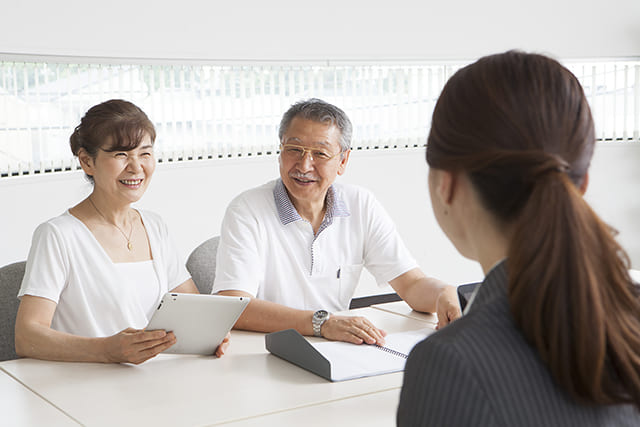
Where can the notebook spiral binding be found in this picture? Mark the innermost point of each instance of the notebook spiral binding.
(391, 351)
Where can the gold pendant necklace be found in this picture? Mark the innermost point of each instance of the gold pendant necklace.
(129, 245)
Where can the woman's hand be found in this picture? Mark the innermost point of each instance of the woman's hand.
(137, 345)
(223, 346)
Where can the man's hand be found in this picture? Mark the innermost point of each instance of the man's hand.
(356, 330)
(447, 306)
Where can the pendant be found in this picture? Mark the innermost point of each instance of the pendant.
(129, 246)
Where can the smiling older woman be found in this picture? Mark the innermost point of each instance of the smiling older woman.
(95, 273)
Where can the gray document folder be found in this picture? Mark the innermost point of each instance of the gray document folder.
(339, 361)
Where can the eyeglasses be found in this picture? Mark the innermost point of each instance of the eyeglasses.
(297, 152)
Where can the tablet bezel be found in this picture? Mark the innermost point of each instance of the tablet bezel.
(199, 321)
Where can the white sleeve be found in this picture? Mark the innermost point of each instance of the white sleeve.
(47, 268)
(385, 255)
(239, 262)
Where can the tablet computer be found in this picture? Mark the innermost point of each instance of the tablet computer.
(199, 321)
(464, 294)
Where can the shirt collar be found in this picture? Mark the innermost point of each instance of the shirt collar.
(336, 207)
(493, 286)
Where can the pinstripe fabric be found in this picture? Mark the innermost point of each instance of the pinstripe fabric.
(480, 371)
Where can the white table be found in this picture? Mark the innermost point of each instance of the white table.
(402, 308)
(244, 385)
(377, 409)
(19, 406)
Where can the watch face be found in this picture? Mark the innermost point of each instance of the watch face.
(320, 314)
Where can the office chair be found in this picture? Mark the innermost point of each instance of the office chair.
(10, 281)
(201, 264)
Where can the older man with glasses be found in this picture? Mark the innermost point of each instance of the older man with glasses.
(297, 245)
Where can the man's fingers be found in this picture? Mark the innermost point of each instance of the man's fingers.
(451, 314)
(353, 339)
(371, 335)
(365, 330)
(362, 335)
(376, 334)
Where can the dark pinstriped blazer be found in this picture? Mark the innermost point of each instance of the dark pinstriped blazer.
(480, 371)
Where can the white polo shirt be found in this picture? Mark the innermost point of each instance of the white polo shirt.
(269, 251)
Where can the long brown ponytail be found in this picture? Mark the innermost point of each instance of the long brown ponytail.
(519, 125)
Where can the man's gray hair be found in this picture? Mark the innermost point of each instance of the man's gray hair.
(319, 111)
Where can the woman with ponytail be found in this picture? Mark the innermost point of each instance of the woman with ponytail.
(552, 335)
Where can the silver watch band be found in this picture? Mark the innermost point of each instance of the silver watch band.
(318, 319)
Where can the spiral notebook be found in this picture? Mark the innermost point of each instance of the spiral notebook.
(340, 361)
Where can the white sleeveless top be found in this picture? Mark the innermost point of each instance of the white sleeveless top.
(141, 279)
(94, 296)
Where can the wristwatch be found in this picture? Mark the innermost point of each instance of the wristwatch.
(318, 319)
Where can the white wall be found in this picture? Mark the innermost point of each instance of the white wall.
(331, 29)
(192, 198)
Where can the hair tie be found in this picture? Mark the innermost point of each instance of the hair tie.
(553, 163)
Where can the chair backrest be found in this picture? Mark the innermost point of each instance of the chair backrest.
(202, 264)
(10, 281)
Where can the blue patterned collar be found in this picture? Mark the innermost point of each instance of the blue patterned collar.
(336, 207)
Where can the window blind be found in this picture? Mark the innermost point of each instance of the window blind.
(218, 111)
